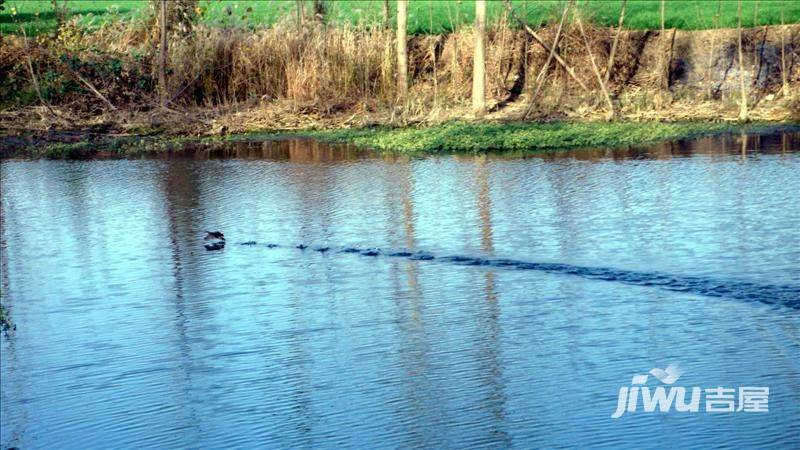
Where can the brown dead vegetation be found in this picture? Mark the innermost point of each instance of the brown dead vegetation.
(287, 77)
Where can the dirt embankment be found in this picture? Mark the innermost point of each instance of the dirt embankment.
(281, 78)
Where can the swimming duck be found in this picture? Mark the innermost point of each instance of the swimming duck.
(218, 245)
(215, 235)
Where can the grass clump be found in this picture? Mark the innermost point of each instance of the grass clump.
(461, 137)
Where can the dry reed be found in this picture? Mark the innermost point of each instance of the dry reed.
(319, 69)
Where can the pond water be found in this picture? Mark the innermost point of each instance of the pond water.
(532, 290)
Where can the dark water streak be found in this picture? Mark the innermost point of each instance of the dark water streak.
(787, 295)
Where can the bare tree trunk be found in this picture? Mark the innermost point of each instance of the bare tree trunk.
(162, 55)
(662, 38)
(543, 72)
(755, 14)
(61, 13)
(300, 12)
(433, 57)
(665, 61)
(712, 54)
(402, 51)
(36, 86)
(758, 56)
(386, 13)
(479, 60)
(668, 63)
(610, 65)
(611, 111)
(755, 24)
(784, 76)
(319, 10)
(743, 92)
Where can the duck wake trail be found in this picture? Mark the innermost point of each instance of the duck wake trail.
(786, 295)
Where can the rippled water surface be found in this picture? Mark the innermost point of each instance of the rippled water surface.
(505, 303)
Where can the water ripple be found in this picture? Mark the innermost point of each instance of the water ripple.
(436, 302)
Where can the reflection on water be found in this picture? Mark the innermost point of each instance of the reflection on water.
(130, 334)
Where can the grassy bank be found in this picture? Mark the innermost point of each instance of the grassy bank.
(98, 146)
(449, 138)
(460, 137)
(424, 16)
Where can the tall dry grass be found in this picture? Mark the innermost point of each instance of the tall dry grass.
(336, 67)
(316, 67)
(327, 69)
(323, 67)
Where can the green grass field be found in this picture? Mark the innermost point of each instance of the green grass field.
(425, 16)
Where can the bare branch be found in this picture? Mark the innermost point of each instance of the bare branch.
(547, 48)
(541, 76)
(611, 55)
(611, 112)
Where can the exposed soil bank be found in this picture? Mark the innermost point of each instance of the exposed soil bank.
(453, 137)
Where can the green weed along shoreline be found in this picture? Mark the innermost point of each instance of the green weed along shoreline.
(449, 138)
(529, 137)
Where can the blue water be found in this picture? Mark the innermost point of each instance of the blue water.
(547, 283)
